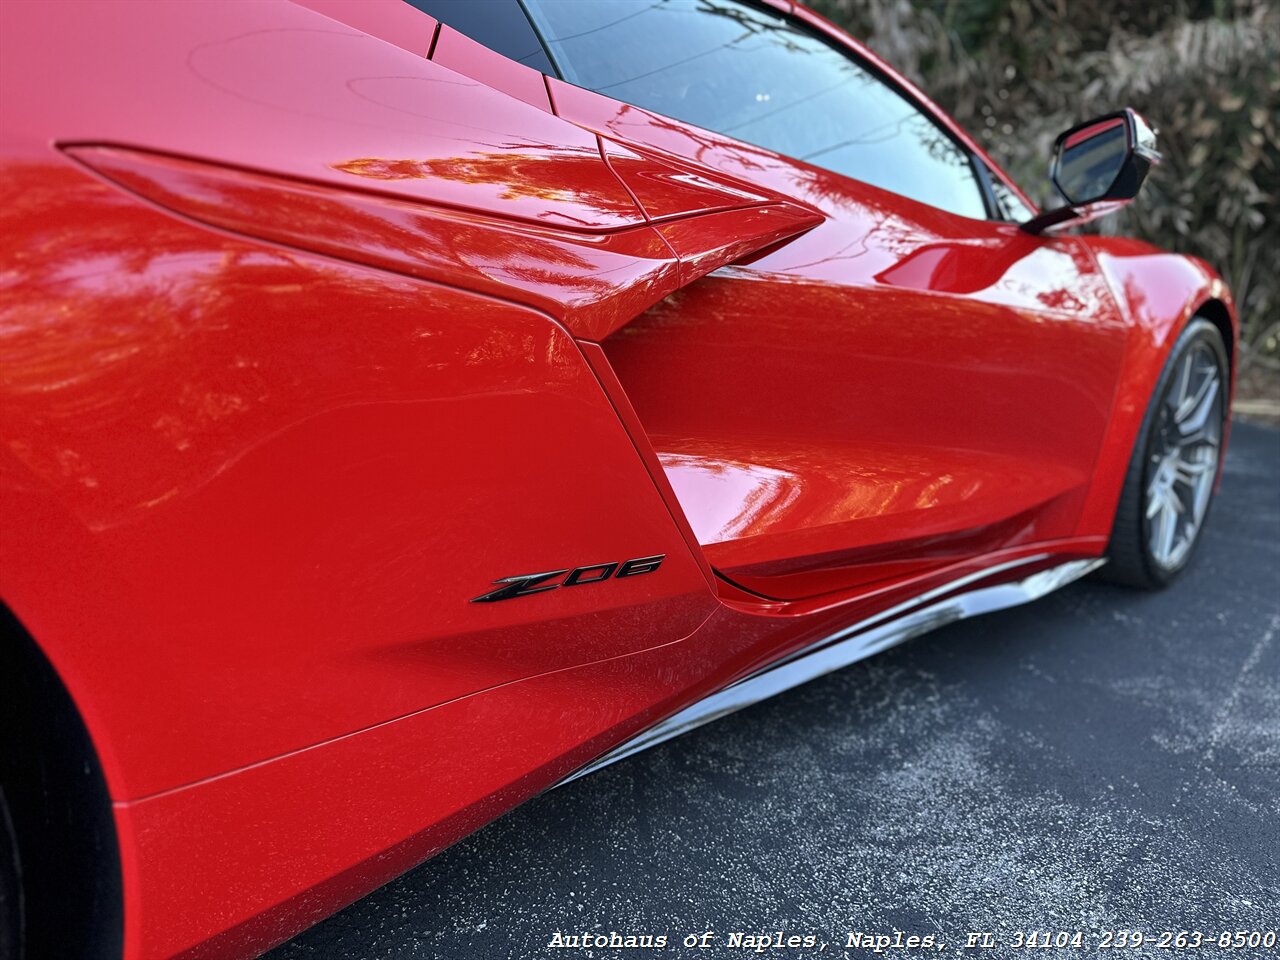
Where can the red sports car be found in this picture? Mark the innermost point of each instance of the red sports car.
(409, 406)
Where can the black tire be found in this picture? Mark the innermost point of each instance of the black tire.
(1132, 560)
(56, 810)
(10, 887)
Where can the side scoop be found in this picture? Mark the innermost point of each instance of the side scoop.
(591, 279)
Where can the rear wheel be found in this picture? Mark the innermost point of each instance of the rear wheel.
(60, 879)
(10, 887)
(1174, 467)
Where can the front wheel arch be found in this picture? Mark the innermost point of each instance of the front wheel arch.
(1216, 312)
(1132, 562)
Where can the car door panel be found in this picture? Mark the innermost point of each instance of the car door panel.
(898, 388)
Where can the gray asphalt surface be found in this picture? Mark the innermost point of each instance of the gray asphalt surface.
(1098, 760)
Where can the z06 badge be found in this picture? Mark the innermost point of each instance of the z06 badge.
(528, 583)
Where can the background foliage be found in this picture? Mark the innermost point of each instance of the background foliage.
(1206, 73)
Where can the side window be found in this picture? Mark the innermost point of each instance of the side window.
(754, 75)
(501, 25)
(1010, 206)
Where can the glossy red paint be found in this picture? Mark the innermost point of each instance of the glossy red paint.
(276, 87)
(464, 56)
(665, 190)
(305, 353)
(391, 20)
(1158, 295)
(262, 438)
(485, 254)
(860, 458)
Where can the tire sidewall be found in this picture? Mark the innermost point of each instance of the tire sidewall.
(1198, 330)
(11, 907)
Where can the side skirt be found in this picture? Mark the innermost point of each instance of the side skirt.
(855, 643)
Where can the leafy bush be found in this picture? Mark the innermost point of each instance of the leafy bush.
(1206, 73)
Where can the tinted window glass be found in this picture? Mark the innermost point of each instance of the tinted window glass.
(1011, 207)
(753, 75)
(500, 25)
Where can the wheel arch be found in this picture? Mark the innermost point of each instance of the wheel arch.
(61, 808)
(1219, 314)
(1158, 295)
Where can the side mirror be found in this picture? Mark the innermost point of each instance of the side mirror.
(1098, 167)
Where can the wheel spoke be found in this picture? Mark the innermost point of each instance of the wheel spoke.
(1166, 529)
(1184, 455)
(1192, 416)
(1155, 498)
(1184, 382)
(1190, 472)
(1198, 477)
(1201, 502)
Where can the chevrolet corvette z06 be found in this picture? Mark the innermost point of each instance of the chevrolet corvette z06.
(407, 407)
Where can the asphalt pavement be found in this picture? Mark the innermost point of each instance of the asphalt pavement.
(1100, 760)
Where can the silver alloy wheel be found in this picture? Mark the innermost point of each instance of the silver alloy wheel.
(1183, 457)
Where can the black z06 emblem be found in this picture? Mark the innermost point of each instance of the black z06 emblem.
(530, 583)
